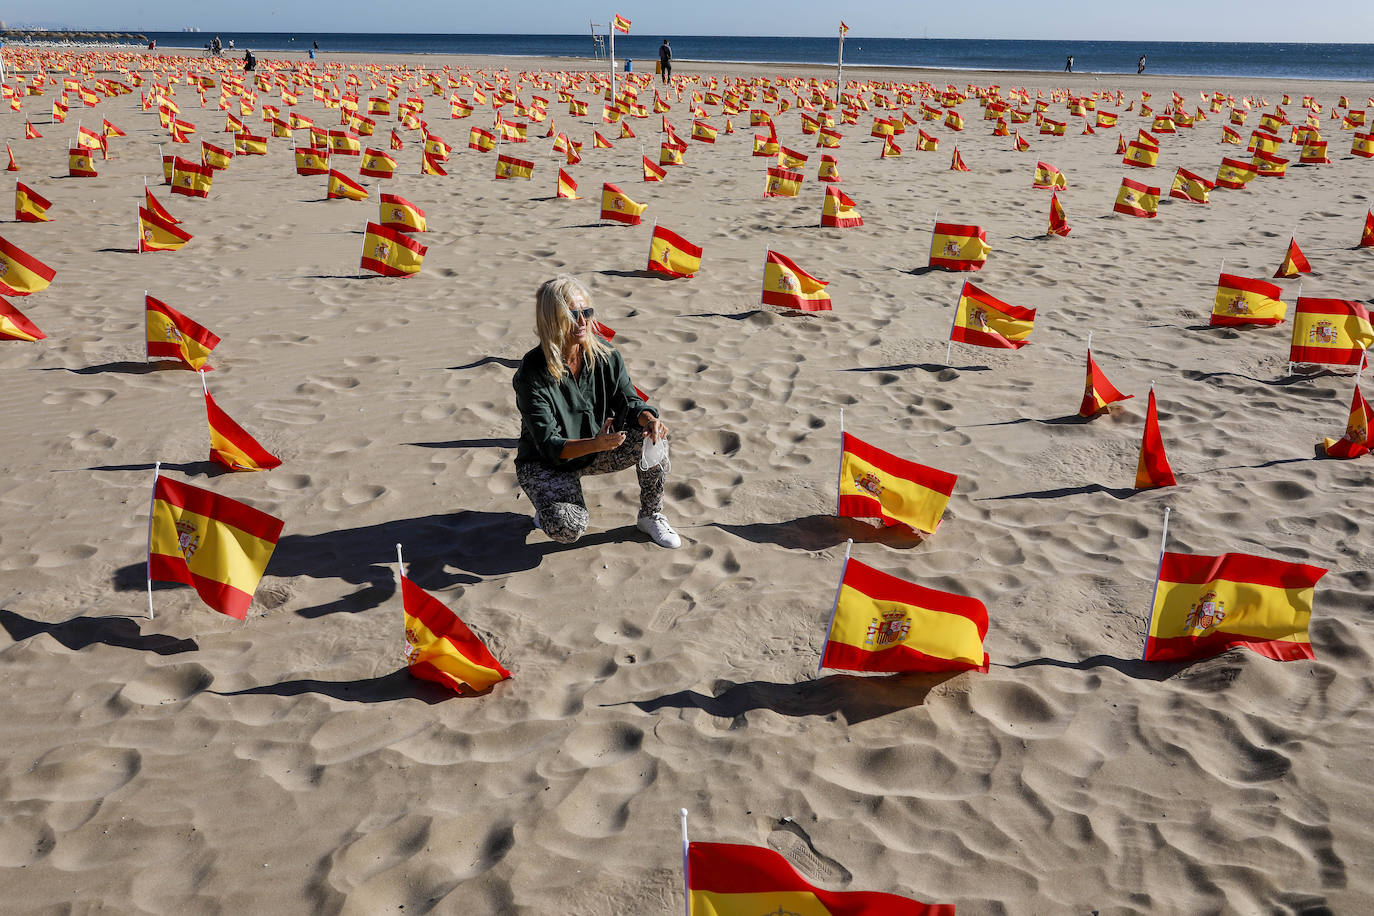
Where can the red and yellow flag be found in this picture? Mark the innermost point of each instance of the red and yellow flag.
(838, 211)
(171, 335)
(1267, 165)
(875, 484)
(672, 255)
(703, 132)
(1314, 153)
(250, 144)
(481, 140)
(956, 162)
(231, 445)
(1140, 155)
(829, 170)
(1362, 145)
(726, 879)
(341, 187)
(652, 170)
(780, 182)
(1294, 262)
(312, 160)
(618, 207)
(1048, 178)
(391, 252)
(955, 247)
(21, 273)
(827, 138)
(345, 143)
(216, 545)
(509, 167)
(1152, 469)
(1098, 392)
(883, 623)
(600, 142)
(441, 648)
(1354, 442)
(14, 326)
(1136, 199)
(79, 163)
(621, 24)
(1330, 332)
(1188, 186)
(377, 164)
(986, 321)
(669, 154)
(29, 205)
(1235, 174)
(430, 166)
(213, 157)
(1240, 300)
(1206, 605)
(1059, 224)
(786, 285)
(191, 178)
(399, 213)
(1020, 143)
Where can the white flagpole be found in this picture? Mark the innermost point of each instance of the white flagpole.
(400, 565)
(1163, 540)
(152, 505)
(834, 607)
(1090, 344)
(839, 473)
(839, 70)
(686, 868)
(611, 32)
(949, 345)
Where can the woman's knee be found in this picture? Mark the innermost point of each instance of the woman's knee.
(563, 522)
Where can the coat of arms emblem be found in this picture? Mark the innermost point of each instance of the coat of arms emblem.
(889, 629)
(188, 538)
(1207, 612)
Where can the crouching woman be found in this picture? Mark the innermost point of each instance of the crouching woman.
(580, 415)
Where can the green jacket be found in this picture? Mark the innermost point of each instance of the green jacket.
(552, 412)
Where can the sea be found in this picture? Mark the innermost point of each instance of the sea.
(1350, 62)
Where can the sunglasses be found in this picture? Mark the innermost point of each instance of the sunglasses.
(579, 314)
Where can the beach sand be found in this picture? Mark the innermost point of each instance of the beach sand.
(289, 763)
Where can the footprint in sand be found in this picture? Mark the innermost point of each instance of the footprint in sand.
(788, 838)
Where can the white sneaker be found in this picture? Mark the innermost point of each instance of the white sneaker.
(659, 531)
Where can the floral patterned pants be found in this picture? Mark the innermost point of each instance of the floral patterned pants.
(557, 495)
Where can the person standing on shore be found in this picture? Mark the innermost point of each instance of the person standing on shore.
(1068, 64)
(1140, 65)
(665, 61)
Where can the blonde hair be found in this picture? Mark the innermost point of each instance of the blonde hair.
(553, 323)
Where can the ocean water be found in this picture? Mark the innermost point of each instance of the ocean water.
(1353, 62)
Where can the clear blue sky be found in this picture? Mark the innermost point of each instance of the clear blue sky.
(1153, 20)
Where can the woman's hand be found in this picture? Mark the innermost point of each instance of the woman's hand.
(608, 439)
(653, 427)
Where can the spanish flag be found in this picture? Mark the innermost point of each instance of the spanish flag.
(1188, 186)
(829, 169)
(1261, 142)
(1333, 332)
(883, 623)
(441, 648)
(1020, 143)
(1355, 441)
(726, 879)
(838, 211)
(1098, 392)
(875, 484)
(396, 142)
(955, 247)
(1240, 300)
(881, 127)
(79, 164)
(1106, 119)
(956, 162)
(1362, 145)
(1230, 136)
(1140, 155)
(627, 134)
(653, 171)
(430, 166)
(986, 321)
(171, 335)
(1152, 470)
(216, 545)
(1235, 174)
(600, 142)
(21, 273)
(31, 132)
(1206, 605)
(1367, 233)
(955, 121)
(157, 209)
(249, 144)
(481, 140)
(345, 143)
(191, 178)
(312, 161)
(14, 326)
(669, 154)
(231, 445)
(1136, 199)
(1048, 178)
(618, 207)
(1053, 128)
(29, 205)
(925, 143)
(510, 167)
(1268, 165)
(1294, 262)
(890, 149)
(377, 164)
(1314, 153)
(827, 138)
(341, 187)
(621, 24)
(399, 213)
(780, 182)
(786, 285)
(790, 159)
(672, 255)
(390, 252)
(766, 145)
(1059, 225)
(213, 157)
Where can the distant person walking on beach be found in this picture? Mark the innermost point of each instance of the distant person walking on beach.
(249, 61)
(1068, 64)
(1140, 65)
(665, 61)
